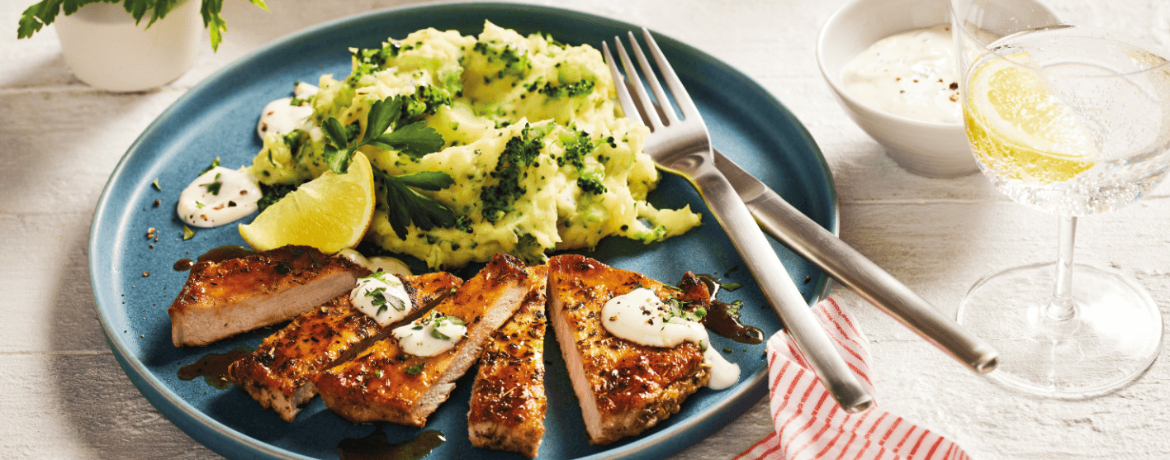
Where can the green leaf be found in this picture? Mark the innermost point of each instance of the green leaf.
(404, 206)
(415, 369)
(188, 233)
(338, 160)
(427, 180)
(731, 286)
(439, 335)
(416, 139)
(335, 132)
(382, 114)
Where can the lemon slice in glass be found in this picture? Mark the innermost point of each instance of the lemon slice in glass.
(1020, 129)
(330, 213)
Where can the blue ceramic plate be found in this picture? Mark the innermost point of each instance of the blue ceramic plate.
(217, 118)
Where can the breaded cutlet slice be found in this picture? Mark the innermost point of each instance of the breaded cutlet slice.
(508, 401)
(385, 384)
(225, 298)
(623, 387)
(279, 374)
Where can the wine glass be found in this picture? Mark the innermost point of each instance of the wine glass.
(1073, 121)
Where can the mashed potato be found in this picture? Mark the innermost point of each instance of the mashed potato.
(540, 156)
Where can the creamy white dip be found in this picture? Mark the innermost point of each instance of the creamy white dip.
(386, 264)
(911, 74)
(217, 197)
(430, 335)
(641, 317)
(383, 297)
(282, 115)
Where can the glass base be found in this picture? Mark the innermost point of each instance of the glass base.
(1112, 339)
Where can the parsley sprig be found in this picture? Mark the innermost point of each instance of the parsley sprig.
(45, 12)
(413, 139)
(403, 205)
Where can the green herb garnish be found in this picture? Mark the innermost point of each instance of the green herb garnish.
(214, 186)
(730, 286)
(415, 369)
(413, 139)
(188, 233)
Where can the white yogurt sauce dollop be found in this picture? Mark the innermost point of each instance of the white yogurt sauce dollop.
(383, 297)
(217, 197)
(910, 74)
(281, 116)
(430, 335)
(386, 264)
(640, 317)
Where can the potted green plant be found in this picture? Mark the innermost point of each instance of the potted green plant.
(106, 45)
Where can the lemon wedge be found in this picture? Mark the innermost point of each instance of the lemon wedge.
(330, 213)
(1020, 129)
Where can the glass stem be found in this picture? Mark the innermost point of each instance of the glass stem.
(1062, 306)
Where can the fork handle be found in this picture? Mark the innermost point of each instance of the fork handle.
(856, 272)
(780, 290)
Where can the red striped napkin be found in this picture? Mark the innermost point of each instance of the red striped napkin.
(809, 425)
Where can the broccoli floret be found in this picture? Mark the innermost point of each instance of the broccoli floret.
(518, 155)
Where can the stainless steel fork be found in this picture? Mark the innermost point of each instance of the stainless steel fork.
(683, 147)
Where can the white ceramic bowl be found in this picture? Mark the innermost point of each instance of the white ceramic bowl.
(923, 148)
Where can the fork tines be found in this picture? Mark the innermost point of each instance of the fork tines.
(650, 117)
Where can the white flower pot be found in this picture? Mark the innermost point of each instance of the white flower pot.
(105, 49)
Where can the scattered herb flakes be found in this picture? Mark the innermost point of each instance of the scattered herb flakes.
(726, 350)
(415, 369)
(155, 184)
(729, 287)
(188, 233)
(215, 185)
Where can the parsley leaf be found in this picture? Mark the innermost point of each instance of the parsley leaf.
(188, 233)
(427, 180)
(416, 139)
(415, 369)
(405, 206)
(383, 113)
(439, 335)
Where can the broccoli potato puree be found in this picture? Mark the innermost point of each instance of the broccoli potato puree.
(540, 155)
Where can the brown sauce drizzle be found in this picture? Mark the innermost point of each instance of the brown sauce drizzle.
(720, 321)
(213, 367)
(223, 253)
(219, 254)
(375, 446)
(183, 265)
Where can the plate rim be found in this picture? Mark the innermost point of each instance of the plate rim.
(196, 424)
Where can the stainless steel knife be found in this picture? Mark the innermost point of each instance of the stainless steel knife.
(844, 264)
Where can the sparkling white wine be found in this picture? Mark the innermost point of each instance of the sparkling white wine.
(1068, 120)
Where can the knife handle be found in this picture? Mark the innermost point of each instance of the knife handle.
(779, 289)
(843, 263)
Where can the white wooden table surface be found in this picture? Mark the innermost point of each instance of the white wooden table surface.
(64, 395)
